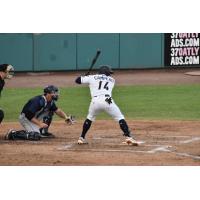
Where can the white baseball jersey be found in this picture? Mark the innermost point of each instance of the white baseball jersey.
(101, 87)
(99, 84)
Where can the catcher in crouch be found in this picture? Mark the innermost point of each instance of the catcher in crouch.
(36, 116)
(101, 86)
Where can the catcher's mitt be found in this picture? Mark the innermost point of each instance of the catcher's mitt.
(70, 120)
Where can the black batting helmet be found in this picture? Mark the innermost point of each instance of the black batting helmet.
(3, 67)
(105, 69)
(8, 69)
(52, 89)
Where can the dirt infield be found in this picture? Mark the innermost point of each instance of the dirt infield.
(162, 142)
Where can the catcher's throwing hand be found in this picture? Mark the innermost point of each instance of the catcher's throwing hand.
(43, 125)
(70, 120)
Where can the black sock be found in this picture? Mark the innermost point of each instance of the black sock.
(1, 115)
(86, 127)
(124, 127)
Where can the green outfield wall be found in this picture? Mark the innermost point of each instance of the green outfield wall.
(141, 50)
(74, 51)
(17, 49)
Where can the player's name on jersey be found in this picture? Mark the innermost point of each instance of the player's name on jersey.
(103, 77)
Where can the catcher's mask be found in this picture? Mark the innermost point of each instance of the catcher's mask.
(8, 70)
(105, 69)
(51, 89)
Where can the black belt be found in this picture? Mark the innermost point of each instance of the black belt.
(106, 95)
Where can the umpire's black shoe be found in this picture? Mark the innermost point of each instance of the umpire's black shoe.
(47, 135)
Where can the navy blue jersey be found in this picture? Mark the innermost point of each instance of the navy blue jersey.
(37, 106)
(2, 83)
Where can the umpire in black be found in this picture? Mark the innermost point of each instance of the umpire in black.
(6, 72)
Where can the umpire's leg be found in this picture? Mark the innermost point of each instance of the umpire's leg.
(1, 115)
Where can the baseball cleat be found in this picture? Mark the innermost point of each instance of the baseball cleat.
(9, 134)
(131, 141)
(47, 135)
(81, 140)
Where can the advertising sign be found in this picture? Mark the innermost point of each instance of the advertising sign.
(182, 49)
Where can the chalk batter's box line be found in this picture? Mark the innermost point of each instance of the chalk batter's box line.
(159, 148)
(70, 147)
(66, 147)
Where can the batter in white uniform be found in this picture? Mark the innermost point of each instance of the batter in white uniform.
(101, 86)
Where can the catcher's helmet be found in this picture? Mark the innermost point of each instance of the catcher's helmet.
(8, 69)
(51, 89)
(105, 69)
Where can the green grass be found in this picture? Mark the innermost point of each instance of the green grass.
(136, 102)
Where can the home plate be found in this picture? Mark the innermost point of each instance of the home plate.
(66, 147)
(139, 143)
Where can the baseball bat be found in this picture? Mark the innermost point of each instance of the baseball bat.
(93, 62)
